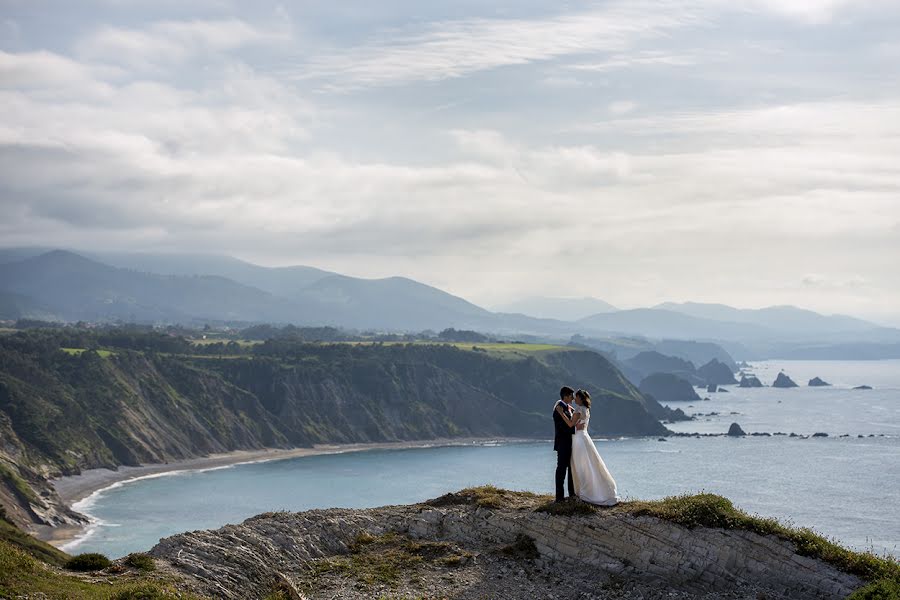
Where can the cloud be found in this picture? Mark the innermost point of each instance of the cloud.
(174, 41)
(453, 49)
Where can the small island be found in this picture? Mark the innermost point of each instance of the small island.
(750, 381)
(818, 382)
(783, 381)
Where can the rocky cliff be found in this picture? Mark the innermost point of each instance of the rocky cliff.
(146, 399)
(490, 543)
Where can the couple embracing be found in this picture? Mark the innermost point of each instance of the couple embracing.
(588, 477)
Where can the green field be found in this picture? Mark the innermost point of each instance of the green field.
(77, 351)
(497, 349)
(242, 343)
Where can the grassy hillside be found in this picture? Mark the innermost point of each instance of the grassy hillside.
(71, 400)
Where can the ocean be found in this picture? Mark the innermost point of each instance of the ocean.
(847, 488)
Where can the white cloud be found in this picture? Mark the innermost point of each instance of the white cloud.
(174, 41)
(456, 48)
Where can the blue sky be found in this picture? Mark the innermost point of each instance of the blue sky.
(636, 151)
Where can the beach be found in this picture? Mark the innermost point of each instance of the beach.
(76, 488)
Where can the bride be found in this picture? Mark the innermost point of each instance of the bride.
(593, 483)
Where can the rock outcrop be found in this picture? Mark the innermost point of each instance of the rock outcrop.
(735, 430)
(716, 373)
(750, 381)
(454, 547)
(666, 387)
(818, 382)
(783, 381)
(863, 387)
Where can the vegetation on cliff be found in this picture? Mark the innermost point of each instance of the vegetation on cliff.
(72, 399)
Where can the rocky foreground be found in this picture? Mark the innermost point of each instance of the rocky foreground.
(488, 543)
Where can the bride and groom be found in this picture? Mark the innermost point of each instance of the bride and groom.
(588, 477)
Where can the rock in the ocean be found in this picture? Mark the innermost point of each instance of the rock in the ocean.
(783, 381)
(818, 382)
(820, 434)
(750, 381)
(716, 373)
(863, 387)
(735, 430)
(666, 387)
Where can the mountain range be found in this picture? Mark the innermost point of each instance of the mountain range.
(54, 284)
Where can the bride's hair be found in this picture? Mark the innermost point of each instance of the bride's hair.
(585, 397)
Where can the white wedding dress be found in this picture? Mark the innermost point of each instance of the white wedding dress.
(593, 483)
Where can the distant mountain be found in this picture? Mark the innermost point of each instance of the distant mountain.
(781, 318)
(657, 323)
(73, 287)
(562, 309)
(67, 286)
(278, 281)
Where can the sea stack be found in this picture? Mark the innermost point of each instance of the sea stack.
(818, 382)
(735, 430)
(750, 381)
(863, 387)
(716, 373)
(783, 381)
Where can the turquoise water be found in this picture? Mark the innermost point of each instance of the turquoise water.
(847, 488)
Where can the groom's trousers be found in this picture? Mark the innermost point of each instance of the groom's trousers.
(563, 464)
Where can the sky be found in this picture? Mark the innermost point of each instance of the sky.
(640, 151)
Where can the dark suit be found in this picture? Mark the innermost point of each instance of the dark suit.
(562, 443)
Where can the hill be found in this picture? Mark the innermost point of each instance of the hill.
(562, 309)
(150, 398)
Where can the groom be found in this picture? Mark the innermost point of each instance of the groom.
(562, 442)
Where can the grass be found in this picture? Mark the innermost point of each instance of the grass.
(14, 537)
(387, 558)
(21, 487)
(24, 576)
(488, 496)
(706, 510)
(496, 349)
(78, 351)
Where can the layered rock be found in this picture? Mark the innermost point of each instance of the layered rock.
(452, 547)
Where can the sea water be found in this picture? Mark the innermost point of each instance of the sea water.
(847, 488)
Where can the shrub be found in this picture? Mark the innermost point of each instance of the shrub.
(140, 561)
(91, 561)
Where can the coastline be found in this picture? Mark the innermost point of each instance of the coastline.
(73, 489)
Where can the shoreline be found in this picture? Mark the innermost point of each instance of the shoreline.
(73, 489)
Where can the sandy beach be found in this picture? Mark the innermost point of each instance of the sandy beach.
(78, 487)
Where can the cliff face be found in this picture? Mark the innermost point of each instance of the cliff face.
(60, 412)
(455, 548)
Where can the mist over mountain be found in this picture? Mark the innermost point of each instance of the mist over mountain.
(563, 309)
(196, 288)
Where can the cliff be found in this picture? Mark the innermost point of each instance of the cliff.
(150, 399)
(485, 542)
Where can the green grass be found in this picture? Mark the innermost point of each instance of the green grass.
(21, 487)
(710, 510)
(496, 349)
(704, 510)
(14, 537)
(387, 558)
(78, 351)
(23, 576)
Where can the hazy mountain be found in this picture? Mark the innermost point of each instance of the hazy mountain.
(781, 318)
(657, 323)
(278, 281)
(73, 287)
(67, 286)
(563, 309)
